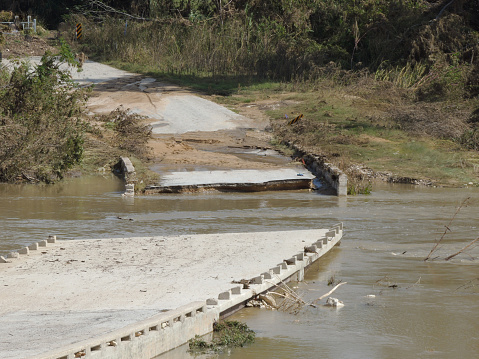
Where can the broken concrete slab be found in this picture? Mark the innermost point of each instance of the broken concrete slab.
(233, 180)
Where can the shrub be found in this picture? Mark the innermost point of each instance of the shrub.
(5, 16)
(130, 132)
(41, 131)
(472, 82)
(355, 188)
(228, 334)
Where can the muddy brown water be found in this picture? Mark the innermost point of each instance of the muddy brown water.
(387, 235)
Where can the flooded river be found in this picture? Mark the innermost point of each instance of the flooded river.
(420, 309)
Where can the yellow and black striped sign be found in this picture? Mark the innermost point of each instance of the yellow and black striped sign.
(296, 119)
(79, 31)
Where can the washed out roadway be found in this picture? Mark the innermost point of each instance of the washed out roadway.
(191, 134)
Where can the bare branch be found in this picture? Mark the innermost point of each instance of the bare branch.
(469, 284)
(288, 290)
(292, 301)
(444, 8)
(103, 8)
(462, 250)
(329, 293)
(447, 228)
(417, 282)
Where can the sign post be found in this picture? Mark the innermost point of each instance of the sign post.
(79, 31)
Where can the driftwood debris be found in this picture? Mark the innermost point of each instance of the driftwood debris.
(290, 300)
(245, 282)
(330, 292)
(471, 285)
(447, 228)
(462, 250)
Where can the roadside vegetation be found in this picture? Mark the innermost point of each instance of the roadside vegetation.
(45, 133)
(41, 130)
(387, 89)
(119, 133)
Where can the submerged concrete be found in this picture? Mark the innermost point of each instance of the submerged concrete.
(139, 297)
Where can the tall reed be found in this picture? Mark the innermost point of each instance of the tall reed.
(407, 76)
(235, 47)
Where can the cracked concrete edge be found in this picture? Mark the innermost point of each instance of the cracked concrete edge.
(129, 174)
(276, 185)
(165, 331)
(336, 178)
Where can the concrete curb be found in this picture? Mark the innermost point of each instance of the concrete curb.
(145, 339)
(330, 173)
(290, 269)
(26, 250)
(165, 331)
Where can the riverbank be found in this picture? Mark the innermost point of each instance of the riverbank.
(372, 130)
